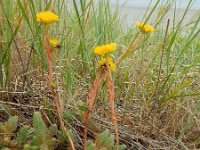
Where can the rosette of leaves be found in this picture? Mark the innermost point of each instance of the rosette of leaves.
(38, 137)
(24, 136)
(7, 130)
(44, 138)
(104, 141)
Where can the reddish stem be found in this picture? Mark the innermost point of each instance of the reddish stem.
(50, 62)
(55, 101)
(111, 98)
(90, 101)
(49, 56)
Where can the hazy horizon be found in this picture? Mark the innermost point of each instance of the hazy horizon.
(133, 10)
(181, 4)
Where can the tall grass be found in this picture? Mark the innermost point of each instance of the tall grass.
(158, 81)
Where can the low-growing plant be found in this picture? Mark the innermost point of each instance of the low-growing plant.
(104, 141)
(37, 137)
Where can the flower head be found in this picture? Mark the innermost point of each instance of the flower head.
(145, 28)
(54, 43)
(103, 61)
(47, 17)
(105, 49)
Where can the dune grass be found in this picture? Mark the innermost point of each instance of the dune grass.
(156, 84)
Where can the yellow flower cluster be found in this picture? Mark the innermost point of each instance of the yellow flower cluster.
(145, 28)
(54, 43)
(47, 17)
(105, 49)
(103, 62)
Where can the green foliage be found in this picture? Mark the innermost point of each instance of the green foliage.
(23, 135)
(82, 106)
(69, 81)
(43, 137)
(7, 129)
(70, 132)
(90, 145)
(63, 138)
(38, 137)
(9, 126)
(104, 141)
(40, 129)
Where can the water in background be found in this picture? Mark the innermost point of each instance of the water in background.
(134, 10)
(144, 3)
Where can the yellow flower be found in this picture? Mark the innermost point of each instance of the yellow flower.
(47, 17)
(54, 43)
(103, 61)
(105, 49)
(145, 28)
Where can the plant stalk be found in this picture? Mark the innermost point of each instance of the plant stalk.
(111, 98)
(50, 62)
(90, 101)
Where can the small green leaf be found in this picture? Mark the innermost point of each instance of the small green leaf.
(122, 147)
(82, 106)
(40, 128)
(90, 145)
(11, 125)
(24, 134)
